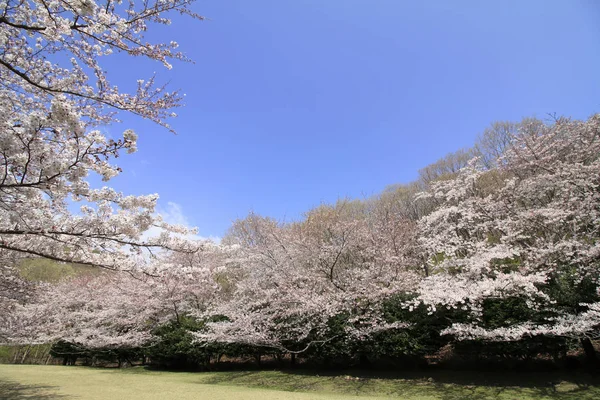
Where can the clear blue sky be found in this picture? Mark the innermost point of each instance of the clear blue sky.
(294, 103)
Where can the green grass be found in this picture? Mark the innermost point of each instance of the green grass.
(56, 382)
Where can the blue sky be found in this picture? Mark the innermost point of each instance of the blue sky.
(293, 103)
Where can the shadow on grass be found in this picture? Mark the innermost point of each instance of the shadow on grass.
(15, 391)
(440, 384)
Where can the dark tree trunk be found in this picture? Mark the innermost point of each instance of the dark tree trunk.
(124, 362)
(293, 359)
(590, 353)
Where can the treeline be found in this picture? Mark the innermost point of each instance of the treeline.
(493, 255)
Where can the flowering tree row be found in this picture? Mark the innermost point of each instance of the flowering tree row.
(503, 253)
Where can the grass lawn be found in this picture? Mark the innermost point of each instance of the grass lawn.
(19, 382)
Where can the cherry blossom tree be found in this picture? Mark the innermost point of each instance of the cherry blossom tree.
(117, 310)
(14, 291)
(292, 279)
(54, 96)
(524, 234)
(273, 302)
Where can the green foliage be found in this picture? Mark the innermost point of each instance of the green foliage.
(506, 312)
(518, 352)
(422, 337)
(72, 352)
(5, 353)
(175, 347)
(69, 352)
(400, 346)
(340, 349)
(24, 354)
(569, 289)
(45, 270)
(511, 311)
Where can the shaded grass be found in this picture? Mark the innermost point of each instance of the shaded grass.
(16, 391)
(440, 384)
(57, 382)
